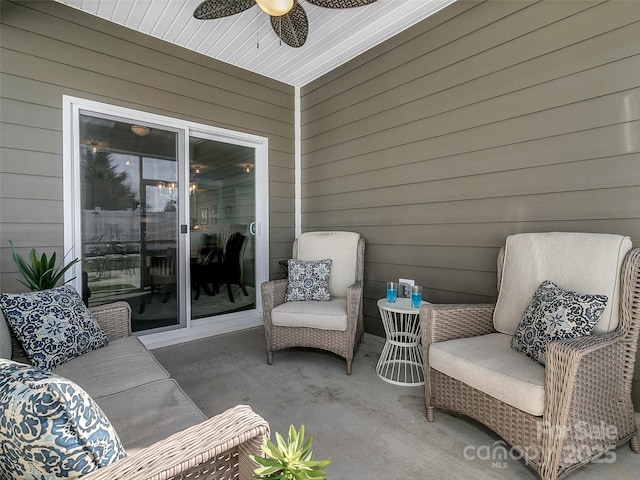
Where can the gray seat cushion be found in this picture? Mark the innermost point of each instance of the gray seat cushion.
(149, 413)
(123, 364)
(5, 339)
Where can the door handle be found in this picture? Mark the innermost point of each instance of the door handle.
(252, 228)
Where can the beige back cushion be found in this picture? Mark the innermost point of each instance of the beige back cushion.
(582, 262)
(340, 247)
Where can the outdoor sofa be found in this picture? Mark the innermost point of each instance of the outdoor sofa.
(164, 434)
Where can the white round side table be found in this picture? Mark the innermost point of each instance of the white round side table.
(401, 359)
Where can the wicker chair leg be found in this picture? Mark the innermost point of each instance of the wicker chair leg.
(349, 367)
(430, 411)
(634, 444)
(270, 358)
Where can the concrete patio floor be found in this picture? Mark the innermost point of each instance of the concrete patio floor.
(369, 428)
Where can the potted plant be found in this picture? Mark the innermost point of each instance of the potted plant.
(292, 460)
(40, 272)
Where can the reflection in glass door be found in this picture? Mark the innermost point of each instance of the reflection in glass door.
(222, 227)
(129, 204)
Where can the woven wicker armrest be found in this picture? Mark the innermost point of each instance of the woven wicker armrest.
(273, 293)
(566, 349)
(583, 388)
(354, 295)
(220, 445)
(440, 322)
(585, 358)
(114, 318)
(354, 305)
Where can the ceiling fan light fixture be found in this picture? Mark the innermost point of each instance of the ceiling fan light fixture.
(140, 130)
(275, 8)
(288, 19)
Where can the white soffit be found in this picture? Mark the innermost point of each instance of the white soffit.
(335, 36)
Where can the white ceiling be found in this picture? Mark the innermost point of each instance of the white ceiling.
(335, 36)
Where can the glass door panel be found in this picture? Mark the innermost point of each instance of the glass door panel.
(222, 227)
(129, 233)
(169, 216)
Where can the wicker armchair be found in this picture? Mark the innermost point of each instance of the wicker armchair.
(346, 249)
(586, 381)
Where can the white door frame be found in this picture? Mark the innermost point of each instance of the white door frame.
(193, 329)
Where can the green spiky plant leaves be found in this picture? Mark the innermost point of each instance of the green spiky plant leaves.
(40, 272)
(292, 460)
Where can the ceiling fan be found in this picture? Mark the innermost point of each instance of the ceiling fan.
(288, 18)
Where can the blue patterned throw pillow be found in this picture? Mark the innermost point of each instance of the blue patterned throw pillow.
(556, 314)
(50, 427)
(53, 325)
(309, 280)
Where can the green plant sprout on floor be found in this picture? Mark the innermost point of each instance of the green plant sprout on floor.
(40, 273)
(289, 461)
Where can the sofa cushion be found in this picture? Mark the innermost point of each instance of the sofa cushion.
(340, 247)
(555, 314)
(52, 325)
(123, 364)
(149, 413)
(582, 262)
(5, 338)
(309, 280)
(330, 315)
(50, 427)
(489, 364)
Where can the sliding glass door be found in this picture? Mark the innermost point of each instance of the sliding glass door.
(165, 215)
(129, 227)
(222, 206)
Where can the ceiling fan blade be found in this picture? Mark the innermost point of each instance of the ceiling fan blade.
(212, 9)
(292, 27)
(341, 3)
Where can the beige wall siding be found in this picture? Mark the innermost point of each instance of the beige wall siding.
(484, 120)
(50, 50)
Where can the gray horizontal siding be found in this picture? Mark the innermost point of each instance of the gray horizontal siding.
(487, 119)
(50, 50)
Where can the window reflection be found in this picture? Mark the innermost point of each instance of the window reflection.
(130, 199)
(222, 206)
(129, 213)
